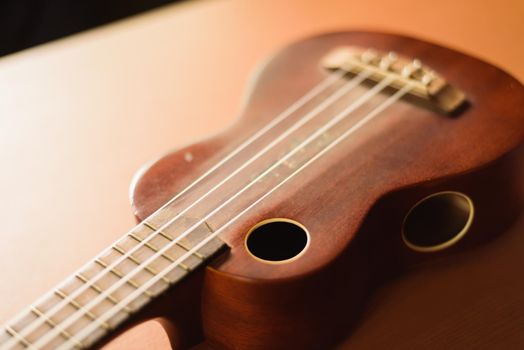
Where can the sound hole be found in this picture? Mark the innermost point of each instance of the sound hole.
(438, 221)
(277, 240)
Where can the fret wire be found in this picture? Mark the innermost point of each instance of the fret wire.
(170, 238)
(99, 290)
(17, 336)
(77, 306)
(155, 249)
(148, 268)
(53, 324)
(120, 275)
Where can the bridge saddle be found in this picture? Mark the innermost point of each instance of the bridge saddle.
(426, 83)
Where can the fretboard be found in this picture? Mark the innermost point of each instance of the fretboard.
(119, 282)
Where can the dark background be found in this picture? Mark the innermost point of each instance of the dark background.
(26, 23)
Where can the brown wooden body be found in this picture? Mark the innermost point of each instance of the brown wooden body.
(352, 202)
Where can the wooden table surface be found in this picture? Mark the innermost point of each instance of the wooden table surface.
(79, 116)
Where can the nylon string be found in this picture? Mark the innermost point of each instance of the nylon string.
(72, 318)
(315, 91)
(117, 308)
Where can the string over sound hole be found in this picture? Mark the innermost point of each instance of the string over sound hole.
(277, 240)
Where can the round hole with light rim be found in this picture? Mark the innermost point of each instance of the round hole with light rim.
(438, 221)
(277, 240)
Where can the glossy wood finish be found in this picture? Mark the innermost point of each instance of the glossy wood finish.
(406, 154)
(43, 181)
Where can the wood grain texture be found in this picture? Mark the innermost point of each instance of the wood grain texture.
(407, 154)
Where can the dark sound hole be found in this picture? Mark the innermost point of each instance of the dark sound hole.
(277, 240)
(438, 221)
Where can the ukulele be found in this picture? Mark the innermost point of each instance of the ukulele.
(358, 156)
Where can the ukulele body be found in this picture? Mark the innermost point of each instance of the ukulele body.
(353, 201)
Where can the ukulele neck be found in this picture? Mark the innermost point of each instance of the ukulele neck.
(119, 282)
